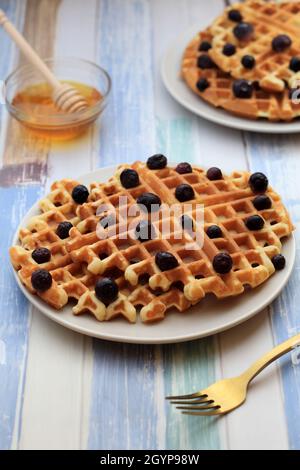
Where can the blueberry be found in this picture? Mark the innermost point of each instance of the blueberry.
(254, 222)
(281, 42)
(229, 49)
(295, 64)
(214, 173)
(202, 84)
(235, 15)
(243, 31)
(248, 61)
(41, 280)
(63, 229)
(106, 290)
(278, 262)
(187, 222)
(204, 46)
(205, 62)
(144, 231)
(222, 263)
(129, 178)
(214, 232)
(184, 192)
(80, 194)
(41, 255)
(157, 162)
(262, 202)
(258, 182)
(242, 89)
(150, 202)
(183, 168)
(165, 261)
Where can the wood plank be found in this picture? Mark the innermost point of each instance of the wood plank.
(190, 367)
(126, 393)
(183, 136)
(223, 147)
(59, 394)
(248, 426)
(53, 397)
(16, 11)
(25, 153)
(14, 320)
(278, 157)
(123, 414)
(128, 133)
(238, 348)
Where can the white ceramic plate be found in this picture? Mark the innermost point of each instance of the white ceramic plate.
(208, 317)
(170, 71)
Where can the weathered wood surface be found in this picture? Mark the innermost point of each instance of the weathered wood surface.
(62, 390)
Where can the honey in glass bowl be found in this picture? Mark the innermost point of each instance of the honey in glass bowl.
(29, 99)
(36, 100)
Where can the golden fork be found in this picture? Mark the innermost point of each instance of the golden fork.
(228, 394)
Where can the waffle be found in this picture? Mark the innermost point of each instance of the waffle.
(269, 20)
(262, 104)
(78, 261)
(227, 203)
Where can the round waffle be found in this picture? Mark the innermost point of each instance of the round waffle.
(219, 93)
(268, 19)
(78, 261)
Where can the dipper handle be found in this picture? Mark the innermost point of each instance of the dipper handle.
(65, 96)
(28, 51)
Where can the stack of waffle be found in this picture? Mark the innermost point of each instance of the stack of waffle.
(102, 242)
(248, 61)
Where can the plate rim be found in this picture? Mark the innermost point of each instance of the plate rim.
(58, 317)
(220, 116)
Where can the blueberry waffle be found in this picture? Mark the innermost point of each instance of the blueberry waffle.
(240, 97)
(259, 41)
(94, 246)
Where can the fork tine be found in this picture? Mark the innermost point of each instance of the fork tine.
(201, 401)
(198, 408)
(183, 397)
(202, 413)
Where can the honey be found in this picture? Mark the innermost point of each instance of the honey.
(36, 111)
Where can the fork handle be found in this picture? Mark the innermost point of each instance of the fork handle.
(270, 357)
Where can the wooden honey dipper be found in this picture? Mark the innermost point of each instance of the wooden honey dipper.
(65, 97)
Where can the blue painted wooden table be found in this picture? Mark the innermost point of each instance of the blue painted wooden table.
(60, 390)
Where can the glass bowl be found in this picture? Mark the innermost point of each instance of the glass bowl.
(89, 78)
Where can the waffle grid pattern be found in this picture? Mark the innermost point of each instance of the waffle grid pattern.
(269, 19)
(78, 261)
(262, 104)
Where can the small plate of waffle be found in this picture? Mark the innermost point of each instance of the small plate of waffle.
(83, 263)
(242, 71)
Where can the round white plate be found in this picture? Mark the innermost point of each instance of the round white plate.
(170, 70)
(208, 317)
